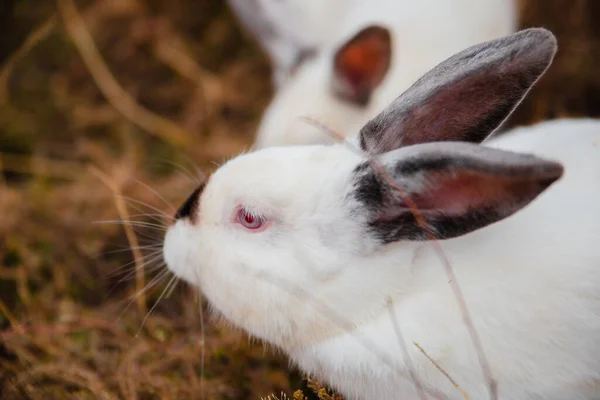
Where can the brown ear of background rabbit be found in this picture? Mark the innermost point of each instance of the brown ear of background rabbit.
(63, 332)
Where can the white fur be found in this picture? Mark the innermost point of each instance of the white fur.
(286, 28)
(424, 33)
(314, 285)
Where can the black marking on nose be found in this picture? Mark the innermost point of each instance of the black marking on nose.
(190, 204)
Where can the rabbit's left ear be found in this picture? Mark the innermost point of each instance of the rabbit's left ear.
(466, 97)
(361, 64)
(454, 188)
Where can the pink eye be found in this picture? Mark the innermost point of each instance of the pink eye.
(248, 220)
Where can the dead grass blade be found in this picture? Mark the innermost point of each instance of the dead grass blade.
(10, 317)
(171, 50)
(443, 371)
(402, 344)
(35, 37)
(129, 232)
(35, 165)
(71, 374)
(123, 102)
(321, 307)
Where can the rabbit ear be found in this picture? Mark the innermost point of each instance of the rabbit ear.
(456, 187)
(465, 97)
(360, 65)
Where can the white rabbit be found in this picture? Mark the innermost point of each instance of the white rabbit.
(314, 250)
(289, 30)
(377, 50)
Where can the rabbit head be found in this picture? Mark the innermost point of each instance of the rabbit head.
(376, 51)
(333, 86)
(276, 231)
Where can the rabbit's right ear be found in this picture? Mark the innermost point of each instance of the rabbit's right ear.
(466, 97)
(446, 189)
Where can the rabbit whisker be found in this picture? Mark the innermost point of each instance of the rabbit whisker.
(200, 174)
(133, 223)
(156, 193)
(202, 335)
(147, 234)
(155, 217)
(155, 281)
(168, 296)
(147, 260)
(156, 246)
(184, 171)
(202, 351)
(135, 201)
(173, 279)
(146, 266)
(158, 218)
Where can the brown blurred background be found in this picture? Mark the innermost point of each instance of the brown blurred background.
(174, 86)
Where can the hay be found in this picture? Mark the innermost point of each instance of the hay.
(571, 87)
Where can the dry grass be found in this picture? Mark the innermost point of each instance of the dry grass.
(571, 87)
(172, 85)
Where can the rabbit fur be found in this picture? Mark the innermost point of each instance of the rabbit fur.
(289, 30)
(342, 276)
(421, 34)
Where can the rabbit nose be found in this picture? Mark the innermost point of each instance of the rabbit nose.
(188, 207)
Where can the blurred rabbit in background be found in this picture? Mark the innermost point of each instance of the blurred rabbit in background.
(370, 51)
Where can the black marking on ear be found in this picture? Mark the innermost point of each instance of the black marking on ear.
(388, 217)
(375, 195)
(410, 166)
(188, 207)
(369, 188)
(439, 227)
